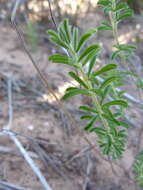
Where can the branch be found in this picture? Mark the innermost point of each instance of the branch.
(25, 154)
(9, 186)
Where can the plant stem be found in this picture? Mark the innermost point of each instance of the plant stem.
(95, 100)
(114, 23)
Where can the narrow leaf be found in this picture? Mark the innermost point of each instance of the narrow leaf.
(116, 103)
(67, 29)
(121, 6)
(91, 65)
(84, 38)
(58, 58)
(104, 2)
(78, 79)
(108, 81)
(94, 47)
(90, 124)
(87, 109)
(105, 26)
(59, 42)
(105, 69)
(75, 92)
(75, 37)
(86, 117)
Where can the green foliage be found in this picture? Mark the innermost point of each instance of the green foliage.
(111, 136)
(138, 168)
(117, 11)
(32, 36)
(104, 117)
(139, 83)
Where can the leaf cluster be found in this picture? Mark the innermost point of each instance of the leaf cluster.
(121, 9)
(102, 118)
(118, 11)
(138, 169)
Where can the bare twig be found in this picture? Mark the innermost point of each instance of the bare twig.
(88, 172)
(9, 186)
(42, 154)
(27, 157)
(20, 36)
(10, 103)
(7, 150)
(51, 13)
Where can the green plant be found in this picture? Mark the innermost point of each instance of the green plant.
(32, 37)
(106, 116)
(138, 168)
(102, 119)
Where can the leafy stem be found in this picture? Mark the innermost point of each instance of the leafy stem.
(110, 138)
(113, 20)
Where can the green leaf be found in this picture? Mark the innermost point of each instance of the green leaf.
(104, 2)
(67, 29)
(94, 47)
(122, 133)
(107, 9)
(78, 79)
(88, 109)
(96, 91)
(125, 47)
(88, 58)
(105, 26)
(90, 124)
(126, 14)
(105, 93)
(99, 131)
(105, 69)
(94, 80)
(59, 42)
(62, 34)
(91, 64)
(84, 38)
(76, 92)
(121, 6)
(115, 54)
(56, 38)
(75, 37)
(124, 124)
(71, 88)
(108, 81)
(86, 117)
(116, 103)
(58, 58)
(52, 33)
(111, 118)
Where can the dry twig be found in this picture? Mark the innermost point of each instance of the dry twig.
(7, 132)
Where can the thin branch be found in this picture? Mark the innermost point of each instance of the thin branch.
(51, 14)
(20, 36)
(43, 79)
(9, 186)
(7, 150)
(28, 158)
(46, 159)
(10, 103)
(88, 172)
